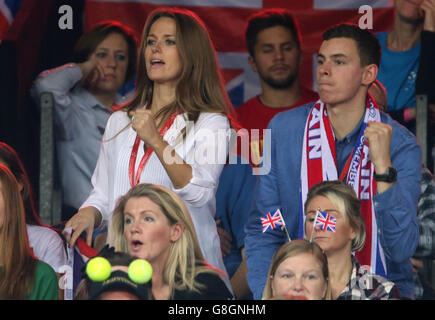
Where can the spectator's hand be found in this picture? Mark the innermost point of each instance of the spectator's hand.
(417, 264)
(225, 239)
(145, 127)
(92, 72)
(428, 6)
(82, 221)
(378, 135)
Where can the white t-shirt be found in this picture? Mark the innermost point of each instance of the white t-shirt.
(47, 246)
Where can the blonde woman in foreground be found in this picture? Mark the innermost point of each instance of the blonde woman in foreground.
(151, 222)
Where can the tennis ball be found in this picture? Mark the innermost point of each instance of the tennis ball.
(98, 269)
(140, 271)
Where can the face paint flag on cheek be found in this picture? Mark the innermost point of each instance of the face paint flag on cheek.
(325, 221)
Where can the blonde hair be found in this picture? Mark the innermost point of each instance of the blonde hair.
(344, 198)
(185, 259)
(292, 249)
(18, 265)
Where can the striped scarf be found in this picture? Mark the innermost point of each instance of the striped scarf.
(319, 164)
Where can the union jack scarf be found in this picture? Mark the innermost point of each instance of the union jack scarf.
(319, 164)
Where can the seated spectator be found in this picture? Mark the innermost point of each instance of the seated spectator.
(22, 276)
(118, 285)
(84, 95)
(299, 270)
(348, 280)
(151, 222)
(46, 244)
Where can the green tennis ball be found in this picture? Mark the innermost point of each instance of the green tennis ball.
(98, 269)
(140, 271)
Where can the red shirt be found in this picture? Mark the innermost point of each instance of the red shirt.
(255, 115)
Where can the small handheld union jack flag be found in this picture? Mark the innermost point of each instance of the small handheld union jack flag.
(272, 221)
(325, 221)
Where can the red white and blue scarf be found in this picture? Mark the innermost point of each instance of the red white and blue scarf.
(319, 164)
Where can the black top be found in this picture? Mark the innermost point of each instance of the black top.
(214, 289)
(425, 83)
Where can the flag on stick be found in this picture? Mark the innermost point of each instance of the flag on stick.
(272, 221)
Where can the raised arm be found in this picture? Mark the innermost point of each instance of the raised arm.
(396, 206)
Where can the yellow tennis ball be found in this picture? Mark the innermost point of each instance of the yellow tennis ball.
(140, 271)
(98, 269)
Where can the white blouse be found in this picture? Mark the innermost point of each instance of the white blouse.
(205, 148)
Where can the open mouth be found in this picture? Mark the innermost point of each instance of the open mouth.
(136, 245)
(156, 62)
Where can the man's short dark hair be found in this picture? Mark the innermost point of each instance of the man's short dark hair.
(267, 19)
(368, 46)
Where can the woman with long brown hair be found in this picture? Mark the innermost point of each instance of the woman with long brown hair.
(173, 133)
(45, 243)
(21, 275)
